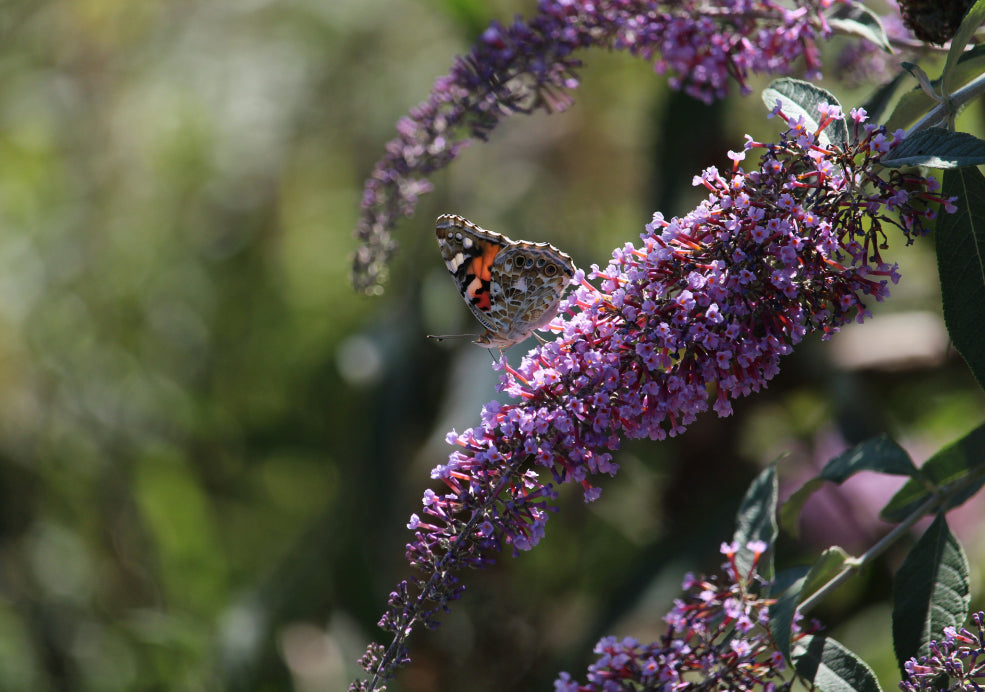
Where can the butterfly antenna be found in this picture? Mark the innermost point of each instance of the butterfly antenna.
(442, 337)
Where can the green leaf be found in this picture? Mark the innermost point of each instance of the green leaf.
(960, 243)
(782, 613)
(787, 579)
(964, 458)
(905, 501)
(930, 591)
(790, 511)
(877, 104)
(825, 568)
(880, 454)
(912, 105)
(784, 610)
(969, 25)
(756, 520)
(877, 454)
(800, 98)
(923, 79)
(858, 20)
(831, 667)
(936, 147)
(970, 66)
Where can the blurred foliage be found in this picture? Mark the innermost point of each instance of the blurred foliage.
(209, 446)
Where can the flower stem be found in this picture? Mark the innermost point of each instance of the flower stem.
(944, 111)
(853, 565)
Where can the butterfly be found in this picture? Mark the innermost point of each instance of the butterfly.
(511, 286)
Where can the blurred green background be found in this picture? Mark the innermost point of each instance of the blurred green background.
(209, 445)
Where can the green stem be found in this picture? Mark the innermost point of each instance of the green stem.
(853, 565)
(943, 112)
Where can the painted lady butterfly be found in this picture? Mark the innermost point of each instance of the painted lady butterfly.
(511, 286)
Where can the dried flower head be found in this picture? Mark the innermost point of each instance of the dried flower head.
(934, 21)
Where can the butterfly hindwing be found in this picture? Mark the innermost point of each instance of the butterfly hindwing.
(531, 280)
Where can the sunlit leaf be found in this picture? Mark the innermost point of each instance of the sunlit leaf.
(936, 147)
(801, 99)
(859, 20)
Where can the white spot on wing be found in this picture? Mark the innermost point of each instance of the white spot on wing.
(455, 262)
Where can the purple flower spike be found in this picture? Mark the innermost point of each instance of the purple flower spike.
(716, 639)
(530, 66)
(954, 663)
(695, 316)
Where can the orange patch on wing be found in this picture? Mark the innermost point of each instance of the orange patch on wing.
(480, 273)
(483, 263)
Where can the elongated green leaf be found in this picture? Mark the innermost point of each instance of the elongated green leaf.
(859, 20)
(756, 520)
(969, 25)
(790, 510)
(880, 454)
(877, 104)
(963, 458)
(824, 569)
(831, 667)
(937, 148)
(918, 73)
(781, 617)
(960, 244)
(802, 585)
(930, 592)
(912, 105)
(788, 578)
(799, 98)
(877, 454)
(905, 501)
(970, 66)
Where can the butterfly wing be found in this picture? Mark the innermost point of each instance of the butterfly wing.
(511, 287)
(527, 282)
(469, 253)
